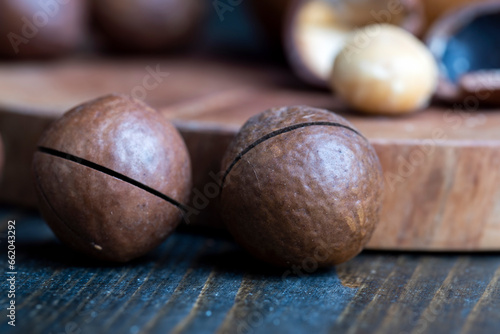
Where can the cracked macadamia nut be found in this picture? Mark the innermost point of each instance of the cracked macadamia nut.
(112, 177)
(301, 185)
(383, 69)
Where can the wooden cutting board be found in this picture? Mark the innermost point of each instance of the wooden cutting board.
(441, 166)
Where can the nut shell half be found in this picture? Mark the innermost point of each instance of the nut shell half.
(464, 42)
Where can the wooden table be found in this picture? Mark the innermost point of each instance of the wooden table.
(196, 283)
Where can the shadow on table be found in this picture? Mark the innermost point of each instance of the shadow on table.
(37, 247)
(225, 257)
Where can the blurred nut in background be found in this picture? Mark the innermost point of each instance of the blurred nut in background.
(386, 70)
(315, 30)
(149, 25)
(33, 28)
(465, 43)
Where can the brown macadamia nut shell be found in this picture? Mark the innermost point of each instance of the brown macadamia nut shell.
(31, 28)
(94, 210)
(149, 25)
(301, 185)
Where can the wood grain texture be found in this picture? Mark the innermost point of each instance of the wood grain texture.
(440, 165)
(199, 284)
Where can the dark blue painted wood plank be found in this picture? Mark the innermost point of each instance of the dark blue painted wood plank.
(195, 283)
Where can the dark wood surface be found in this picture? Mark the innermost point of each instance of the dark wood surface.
(194, 283)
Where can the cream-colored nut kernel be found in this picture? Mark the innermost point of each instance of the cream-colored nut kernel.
(384, 69)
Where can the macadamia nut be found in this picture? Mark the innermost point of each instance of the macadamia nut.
(384, 69)
(112, 177)
(33, 28)
(149, 25)
(301, 184)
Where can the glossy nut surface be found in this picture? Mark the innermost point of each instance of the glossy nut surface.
(301, 185)
(97, 172)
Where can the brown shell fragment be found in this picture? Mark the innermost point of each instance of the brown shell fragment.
(483, 84)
